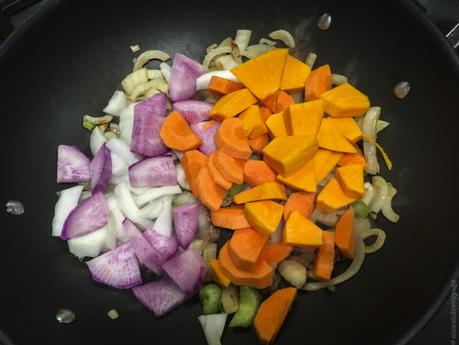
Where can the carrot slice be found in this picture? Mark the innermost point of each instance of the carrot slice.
(324, 162)
(258, 172)
(344, 234)
(230, 218)
(231, 138)
(302, 202)
(258, 144)
(262, 75)
(278, 101)
(216, 174)
(231, 168)
(295, 74)
(260, 277)
(177, 134)
(317, 82)
(192, 162)
(274, 253)
(232, 104)
(217, 274)
(272, 313)
(221, 86)
(210, 193)
(245, 248)
(265, 113)
(325, 257)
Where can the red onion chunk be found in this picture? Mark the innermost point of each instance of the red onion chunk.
(186, 223)
(91, 214)
(207, 135)
(117, 268)
(100, 169)
(166, 246)
(145, 253)
(182, 82)
(161, 296)
(148, 119)
(72, 164)
(193, 111)
(187, 270)
(153, 172)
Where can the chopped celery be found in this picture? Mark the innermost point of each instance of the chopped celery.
(235, 189)
(209, 252)
(88, 124)
(361, 209)
(210, 297)
(380, 125)
(249, 301)
(230, 299)
(293, 272)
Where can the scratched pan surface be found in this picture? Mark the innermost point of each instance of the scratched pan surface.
(68, 60)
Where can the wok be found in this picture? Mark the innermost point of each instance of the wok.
(67, 61)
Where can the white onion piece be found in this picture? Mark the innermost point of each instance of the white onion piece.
(255, 50)
(387, 210)
(163, 224)
(96, 140)
(110, 237)
(156, 85)
(128, 206)
(119, 168)
(379, 241)
(369, 149)
(132, 80)
(225, 62)
(226, 42)
(116, 103)
(165, 70)
(359, 257)
(379, 198)
(177, 154)
(328, 218)
(181, 178)
(115, 180)
(214, 53)
(283, 36)
(120, 147)
(152, 210)
(139, 190)
(311, 59)
(213, 326)
(154, 73)
(380, 125)
(361, 226)
(202, 83)
(212, 46)
(243, 38)
(338, 79)
(89, 245)
(148, 55)
(267, 42)
(68, 200)
(127, 123)
(154, 193)
(368, 193)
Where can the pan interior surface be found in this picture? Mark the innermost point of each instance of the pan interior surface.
(68, 61)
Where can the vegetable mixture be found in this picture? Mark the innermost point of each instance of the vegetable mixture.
(274, 153)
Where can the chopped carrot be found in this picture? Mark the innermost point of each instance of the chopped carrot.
(345, 101)
(350, 178)
(262, 75)
(217, 274)
(216, 174)
(258, 144)
(264, 216)
(300, 231)
(260, 277)
(177, 134)
(353, 158)
(295, 74)
(258, 172)
(231, 138)
(278, 101)
(303, 202)
(329, 137)
(274, 253)
(210, 193)
(232, 104)
(324, 162)
(264, 191)
(192, 162)
(221, 86)
(232, 169)
(265, 113)
(272, 313)
(325, 257)
(332, 197)
(344, 234)
(347, 127)
(252, 122)
(302, 179)
(232, 217)
(276, 125)
(245, 247)
(288, 154)
(317, 82)
(304, 118)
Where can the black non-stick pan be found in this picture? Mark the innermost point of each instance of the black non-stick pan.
(67, 61)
